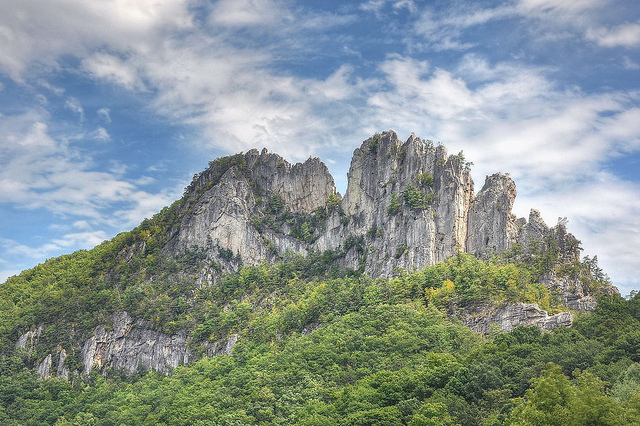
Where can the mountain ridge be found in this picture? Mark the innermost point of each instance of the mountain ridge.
(408, 206)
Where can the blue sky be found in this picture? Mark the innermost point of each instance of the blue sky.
(108, 108)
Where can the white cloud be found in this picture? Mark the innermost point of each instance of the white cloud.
(38, 32)
(101, 134)
(240, 103)
(546, 20)
(56, 246)
(513, 117)
(627, 35)
(144, 180)
(81, 224)
(201, 77)
(443, 29)
(113, 69)
(377, 5)
(558, 6)
(74, 105)
(40, 172)
(628, 64)
(373, 5)
(249, 13)
(105, 114)
(59, 91)
(160, 167)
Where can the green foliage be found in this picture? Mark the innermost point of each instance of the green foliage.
(333, 201)
(555, 400)
(352, 241)
(469, 280)
(375, 232)
(394, 205)
(318, 344)
(225, 253)
(373, 143)
(305, 227)
(401, 250)
(275, 203)
(425, 179)
(415, 198)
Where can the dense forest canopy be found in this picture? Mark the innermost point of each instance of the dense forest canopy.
(322, 346)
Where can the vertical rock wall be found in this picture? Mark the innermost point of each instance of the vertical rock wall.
(382, 170)
(491, 226)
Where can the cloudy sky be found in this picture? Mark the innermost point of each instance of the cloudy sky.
(107, 108)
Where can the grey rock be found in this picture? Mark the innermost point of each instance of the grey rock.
(224, 347)
(492, 227)
(221, 217)
(488, 319)
(532, 231)
(413, 237)
(303, 187)
(29, 339)
(573, 292)
(62, 370)
(44, 368)
(451, 218)
(132, 347)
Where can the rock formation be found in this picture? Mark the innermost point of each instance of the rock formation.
(488, 319)
(407, 205)
(492, 227)
(408, 201)
(132, 347)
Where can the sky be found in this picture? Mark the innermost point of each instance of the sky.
(108, 108)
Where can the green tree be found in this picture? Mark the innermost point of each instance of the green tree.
(394, 205)
(554, 400)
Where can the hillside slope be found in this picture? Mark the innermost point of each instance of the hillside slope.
(162, 295)
(356, 351)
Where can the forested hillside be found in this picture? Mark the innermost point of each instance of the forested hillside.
(322, 346)
(264, 297)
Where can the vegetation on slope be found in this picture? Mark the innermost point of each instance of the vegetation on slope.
(320, 346)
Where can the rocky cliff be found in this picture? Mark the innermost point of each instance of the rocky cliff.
(492, 319)
(407, 205)
(408, 202)
(227, 199)
(125, 345)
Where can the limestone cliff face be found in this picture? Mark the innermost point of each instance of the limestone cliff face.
(407, 205)
(491, 227)
(220, 219)
(491, 319)
(133, 347)
(303, 187)
(125, 345)
(431, 193)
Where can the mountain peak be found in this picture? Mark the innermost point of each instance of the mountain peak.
(408, 206)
